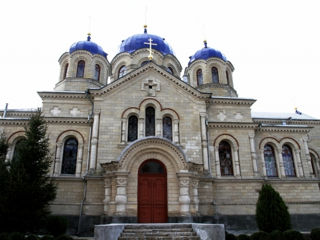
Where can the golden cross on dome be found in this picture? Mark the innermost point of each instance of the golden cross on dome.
(150, 48)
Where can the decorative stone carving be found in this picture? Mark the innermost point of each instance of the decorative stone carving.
(55, 111)
(195, 167)
(121, 193)
(151, 86)
(110, 166)
(222, 115)
(75, 112)
(184, 196)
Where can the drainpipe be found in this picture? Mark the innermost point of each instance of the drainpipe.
(84, 178)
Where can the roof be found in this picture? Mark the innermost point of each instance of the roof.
(206, 53)
(89, 46)
(139, 41)
(278, 115)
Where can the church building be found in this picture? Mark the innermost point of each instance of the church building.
(139, 139)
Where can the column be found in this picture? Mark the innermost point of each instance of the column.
(94, 142)
(107, 193)
(121, 193)
(283, 174)
(184, 196)
(264, 171)
(253, 154)
(123, 130)
(236, 162)
(140, 128)
(79, 160)
(195, 196)
(298, 165)
(9, 155)
(218, 169)
(158, 127)
(204, 142)
(176, 139)
(57, 164)
(308, 158)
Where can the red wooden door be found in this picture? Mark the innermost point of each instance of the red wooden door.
(152, 193)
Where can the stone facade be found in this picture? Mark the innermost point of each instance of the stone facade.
(104, 181)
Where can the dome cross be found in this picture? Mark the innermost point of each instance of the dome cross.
(150, 47)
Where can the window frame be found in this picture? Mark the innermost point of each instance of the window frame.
(80, 68)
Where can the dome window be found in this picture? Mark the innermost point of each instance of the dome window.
(65, 71)
(144, 63)
(170, 70)
(227, 75)
(97, 71)
(199, 77)
(80, 69)
(122, 71)
(215, 75)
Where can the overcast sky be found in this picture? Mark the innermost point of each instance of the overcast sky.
(274, 45)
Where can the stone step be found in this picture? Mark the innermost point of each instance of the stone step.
(161, 238)
(143, 230)
(158, 232)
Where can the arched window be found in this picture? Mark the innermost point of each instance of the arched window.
(288, 161)
(122, 71)
(199, 77)
(17, 149)
(215, 75)
(144, 63)
(167, 128)
(150, 121)
(225, 156)
(227, 75)
(132, 128)
(69, 159)
(313, 163)
(80, 68)
(170, 70)
(65, 71)
(97, 70)
(270, 161)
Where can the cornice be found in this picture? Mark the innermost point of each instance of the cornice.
(231, 101)
(14, 121)
(280, 121)
(67, 120)
(62, 95)
(247, 125)
(150, 66)
(284, 128)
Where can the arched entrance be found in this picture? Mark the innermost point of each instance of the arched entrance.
(152, 192)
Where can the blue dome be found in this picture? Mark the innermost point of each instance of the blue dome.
(206, 53)
(138, 41)
(89, 46)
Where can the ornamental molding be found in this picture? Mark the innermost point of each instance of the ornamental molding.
(288, 122)
(150, 66)
(232, 125)
(284, 128)
(14, 121)
(63, 95)
(62, 120)
(195, 167)
(231, 101)
(110, 166)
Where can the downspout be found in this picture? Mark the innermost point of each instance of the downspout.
(84, 178)
(5, 111)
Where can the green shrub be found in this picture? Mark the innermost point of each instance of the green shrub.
(260, 236)
(47, 237)
(230, 236)
(271, 211)
(276, 235)
(315, 234)
(16, 236)
(32, 237)
(64, 237)
(243, 237)
(292, 235)
(57, 225)
(4, 236)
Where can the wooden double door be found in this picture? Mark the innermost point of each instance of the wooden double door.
(152, 192)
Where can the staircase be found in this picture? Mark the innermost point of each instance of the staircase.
(158, 231)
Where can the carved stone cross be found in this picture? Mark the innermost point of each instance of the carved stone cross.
(151, 86)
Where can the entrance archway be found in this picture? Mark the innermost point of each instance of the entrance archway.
(152, 192)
